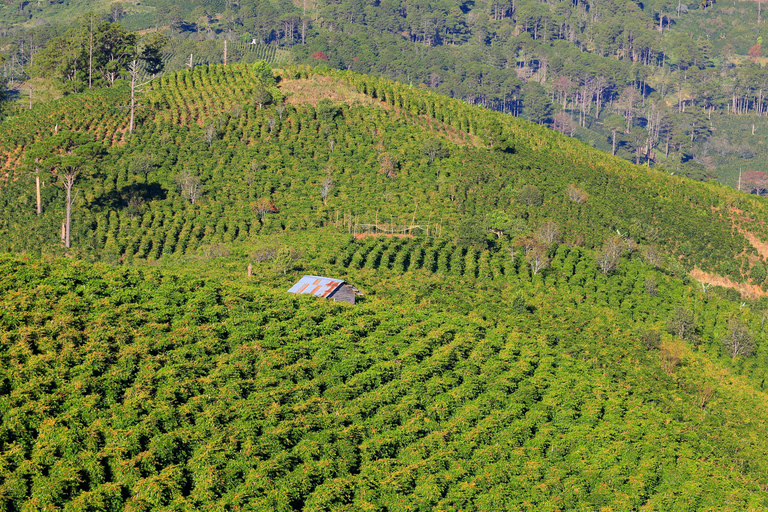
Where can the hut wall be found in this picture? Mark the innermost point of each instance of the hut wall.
(345, 293)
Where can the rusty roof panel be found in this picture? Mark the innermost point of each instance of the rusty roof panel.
(316, 285)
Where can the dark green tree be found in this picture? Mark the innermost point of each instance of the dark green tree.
(326, 110)
(433, 149)
(537, 106)
(470, 233)
(262, 96)
(151, 52)
(500, 224)
(88, 54)
(529, 195)
(263, 72)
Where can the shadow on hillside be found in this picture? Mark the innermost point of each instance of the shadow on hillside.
(131, 194)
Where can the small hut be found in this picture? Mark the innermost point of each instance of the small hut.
(334, 289)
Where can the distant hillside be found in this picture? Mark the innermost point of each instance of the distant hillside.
(177, 52)
(677, 86)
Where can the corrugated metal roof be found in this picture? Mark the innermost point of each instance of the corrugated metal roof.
(316, 285)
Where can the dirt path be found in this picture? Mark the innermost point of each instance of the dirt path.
(738, 219)
(359, 236)
(761, 247)
(747, 290)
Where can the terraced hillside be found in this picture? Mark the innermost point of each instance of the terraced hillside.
(369, 143)
(261, 169)
(130, 389)
(529, 338)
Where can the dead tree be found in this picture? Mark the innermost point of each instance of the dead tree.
(548, 233)
(262, 207)
(537, 258)
(738, 341)
(37, 188)
(35, 163)
(189, 186)
(325, 188)
(69, 177)
(133, 68)
(609, 255)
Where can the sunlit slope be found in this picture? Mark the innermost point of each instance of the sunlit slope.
(369, 144)
(135, 390)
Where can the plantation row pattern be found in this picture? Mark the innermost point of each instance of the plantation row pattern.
(204, 125)
(164, 391)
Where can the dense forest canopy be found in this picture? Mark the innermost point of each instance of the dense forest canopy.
(664, 83)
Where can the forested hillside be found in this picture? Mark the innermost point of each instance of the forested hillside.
(679, 86)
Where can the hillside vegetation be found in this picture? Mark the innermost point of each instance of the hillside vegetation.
(130, 389)
(528, 339)
(680, 86)
(209, 164)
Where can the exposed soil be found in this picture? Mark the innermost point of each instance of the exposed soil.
(747, 290)
(313, 89)
(760, 247)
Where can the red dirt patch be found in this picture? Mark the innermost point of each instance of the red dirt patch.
(747, 290)
(760, 247)
(738, 220)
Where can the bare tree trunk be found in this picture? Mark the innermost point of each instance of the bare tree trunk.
(39, 202)
(225, 52)
(90, 56)
(134, 71)
(133, 68)
(69, 183)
